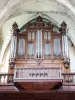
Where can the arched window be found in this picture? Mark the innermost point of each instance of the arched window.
(56, 47)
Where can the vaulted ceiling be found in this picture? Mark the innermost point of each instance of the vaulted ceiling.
(55, 10)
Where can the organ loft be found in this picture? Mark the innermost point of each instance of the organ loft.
(39, 54)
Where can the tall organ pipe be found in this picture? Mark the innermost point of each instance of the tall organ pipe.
(15, 31)
(13, 46)
(65, 45)
(63, 30)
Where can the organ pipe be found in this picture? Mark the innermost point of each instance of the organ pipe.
(13, 46)
(63, 30)
(14, 40)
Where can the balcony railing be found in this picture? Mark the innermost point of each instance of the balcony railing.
(29, 74)
(6, 79)
(37, 74)
(68, 78)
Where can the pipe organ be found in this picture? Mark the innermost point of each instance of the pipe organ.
(39, 47)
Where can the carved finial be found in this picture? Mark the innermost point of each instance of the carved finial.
(39, 19)
(63, 27)
(64, 24)
(40, 14)
(15, 28)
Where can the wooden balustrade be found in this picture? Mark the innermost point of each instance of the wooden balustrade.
(6, 78)
(68, 78)
(37, 73)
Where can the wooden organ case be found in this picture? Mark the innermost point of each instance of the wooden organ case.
(39, 55)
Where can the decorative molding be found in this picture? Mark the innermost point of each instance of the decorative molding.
(39, 61)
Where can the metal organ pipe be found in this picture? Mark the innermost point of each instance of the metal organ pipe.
(65, 46)
(13, 46)
(39, 44)
(63, 30)
(11, 54)
(21, 47)
(15, 31)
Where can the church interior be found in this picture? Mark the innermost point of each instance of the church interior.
(37, 49)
